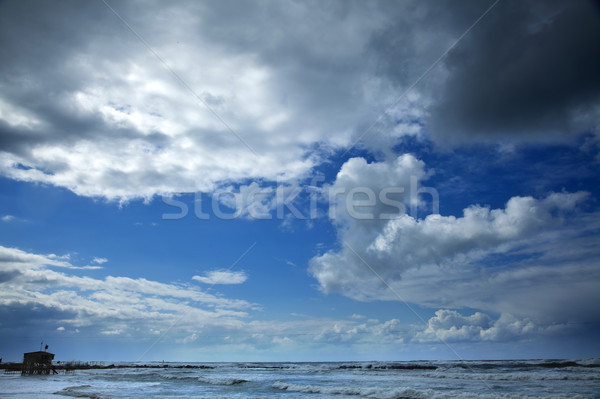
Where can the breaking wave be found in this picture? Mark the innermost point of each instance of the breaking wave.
(76, 392)
(205, 380)
(368, 392)
(222, 381)
(401, 393)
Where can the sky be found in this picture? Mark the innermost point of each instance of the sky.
(300, 181)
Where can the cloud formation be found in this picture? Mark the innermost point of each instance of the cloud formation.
(113, 304)
(93, 110)
(102, 117)
(491, 259)
(451, 326)
(34, 295)
(222, 277)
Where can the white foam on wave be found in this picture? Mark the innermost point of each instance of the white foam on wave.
(222, 381)
(204, 379)
(522, 376)
(404, 393)
(179, 377)
(367, 392)
(77, 391)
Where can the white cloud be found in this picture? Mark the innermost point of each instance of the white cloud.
(123, 307)
(358, 225)
(352, 332)
(116, 304)
(120, 126)
(247, 201)
(282, 340)
(111, 332)
(517, 260)
(222, 277)
(99, 261)
(289, 262)
(190, 338)
(438, 239)
(451, 326)
(14, 257)
(7, 218)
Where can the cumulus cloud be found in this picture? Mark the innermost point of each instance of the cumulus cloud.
(222, 277)
(447, 326)
(362, 200)
(437, 239)
(451, 326)
(99, 261)
(503, 260)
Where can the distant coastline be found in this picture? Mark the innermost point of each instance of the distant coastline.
(77, 365)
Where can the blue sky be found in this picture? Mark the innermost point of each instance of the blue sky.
(291, 181)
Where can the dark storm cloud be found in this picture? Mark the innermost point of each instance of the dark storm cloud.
(416, 36)
(529, 70)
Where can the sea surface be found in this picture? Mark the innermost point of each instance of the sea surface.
(423, 379)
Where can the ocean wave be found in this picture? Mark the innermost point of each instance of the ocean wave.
(258, 366)
(589, 362)
(75, 392)
(204, 379)
(524, 364)
(389, 366)
(404, 393)
(179, 377)
(516, 376)
(222, 381)
(367, 392)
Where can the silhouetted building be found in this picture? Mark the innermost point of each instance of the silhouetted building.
(39, 362)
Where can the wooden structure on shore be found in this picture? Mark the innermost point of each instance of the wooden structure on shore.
(39, 362)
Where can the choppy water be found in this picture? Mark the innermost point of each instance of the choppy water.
(472, 379)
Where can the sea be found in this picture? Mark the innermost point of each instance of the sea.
(386, 380)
